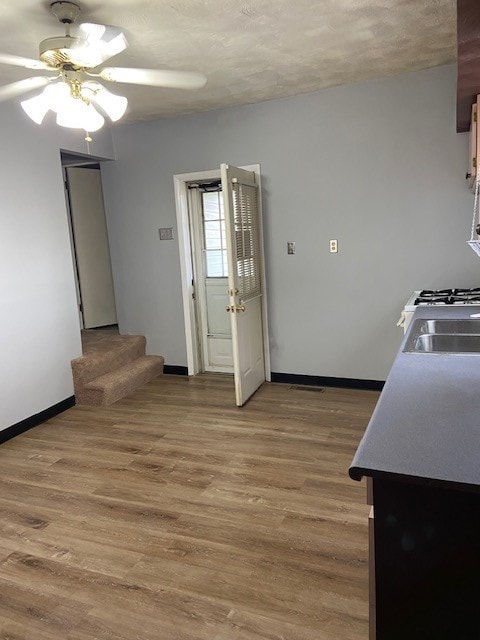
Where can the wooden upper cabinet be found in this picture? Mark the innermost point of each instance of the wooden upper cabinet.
(468, 54)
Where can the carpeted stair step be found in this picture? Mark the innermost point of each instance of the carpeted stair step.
(106, 351)
(112, 386)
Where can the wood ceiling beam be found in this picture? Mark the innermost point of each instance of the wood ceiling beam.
(468, 48)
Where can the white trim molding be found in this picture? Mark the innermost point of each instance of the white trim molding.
(186, 267)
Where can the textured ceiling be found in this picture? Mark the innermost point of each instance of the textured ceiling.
(251, 50)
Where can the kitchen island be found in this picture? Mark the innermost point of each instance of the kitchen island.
(421, 455)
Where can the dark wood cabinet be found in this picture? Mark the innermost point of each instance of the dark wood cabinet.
(420, 455)
(425, 558)
(468, 59)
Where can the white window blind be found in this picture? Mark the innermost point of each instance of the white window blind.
(247, 240)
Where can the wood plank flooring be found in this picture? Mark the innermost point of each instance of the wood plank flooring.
(174, 515)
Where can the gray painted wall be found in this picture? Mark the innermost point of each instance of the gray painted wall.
(39, 325)
(377, 165)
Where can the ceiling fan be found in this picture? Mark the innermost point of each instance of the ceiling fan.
(73, 66)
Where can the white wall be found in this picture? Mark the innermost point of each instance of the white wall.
(377, 165)
(39, 327)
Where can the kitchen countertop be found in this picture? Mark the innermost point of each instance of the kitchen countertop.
(426, 424)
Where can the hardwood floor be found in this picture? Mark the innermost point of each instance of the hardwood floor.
(174, 515)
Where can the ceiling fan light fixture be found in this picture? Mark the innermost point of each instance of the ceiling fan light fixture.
(52, 97)
(85, 110)
(113, 105)
(58, 96)
(73, 92)
(80, 116)
(58, 50)
(36, 108)
(90, 53)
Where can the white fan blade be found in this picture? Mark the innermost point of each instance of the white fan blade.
(22, 86)
(155, 77)
(92, 32)
(28, 63)
(102, 43)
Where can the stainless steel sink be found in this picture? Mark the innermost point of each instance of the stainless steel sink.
(449, 326)
(444, 336)
(447, 343)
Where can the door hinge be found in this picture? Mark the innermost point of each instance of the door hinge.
(474, 163)
(66, 185)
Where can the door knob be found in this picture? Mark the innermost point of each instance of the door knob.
(236, 308)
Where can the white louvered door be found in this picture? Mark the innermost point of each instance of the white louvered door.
(240, 194)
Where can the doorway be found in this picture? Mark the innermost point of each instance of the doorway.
(210, 276)
(226, 198)
(89, 242)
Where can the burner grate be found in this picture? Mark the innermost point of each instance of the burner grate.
(448, 296)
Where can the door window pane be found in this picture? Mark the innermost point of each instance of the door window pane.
(215, 264)
(213, 239)
(214, 235)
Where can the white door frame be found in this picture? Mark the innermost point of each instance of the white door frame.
(199, 265)
(186, 267)
(86, 214)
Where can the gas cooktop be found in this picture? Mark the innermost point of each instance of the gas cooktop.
(448, 296)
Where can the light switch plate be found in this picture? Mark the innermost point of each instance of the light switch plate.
(166, 233)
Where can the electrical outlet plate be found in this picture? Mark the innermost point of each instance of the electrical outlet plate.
(290, 248)
(333, 246)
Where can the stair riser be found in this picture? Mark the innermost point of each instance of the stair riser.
(108, 390)
(87, 369)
